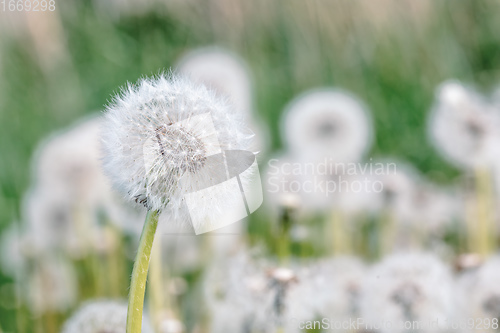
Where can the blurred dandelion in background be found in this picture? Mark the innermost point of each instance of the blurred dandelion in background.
(327, 124)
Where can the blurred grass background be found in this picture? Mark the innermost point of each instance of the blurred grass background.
(58, 66)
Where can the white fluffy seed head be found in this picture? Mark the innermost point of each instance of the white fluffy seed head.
(327, 123)
(101, 316)
(221, 71)
(159, 134)
(463, 126)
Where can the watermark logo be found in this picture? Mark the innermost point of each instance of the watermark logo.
(327, 177)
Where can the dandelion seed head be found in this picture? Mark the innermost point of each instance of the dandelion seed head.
(463, 126)
(329, 123)
(158, 136)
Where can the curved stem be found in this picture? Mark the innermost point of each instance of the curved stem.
(140, 273)
(155, 288)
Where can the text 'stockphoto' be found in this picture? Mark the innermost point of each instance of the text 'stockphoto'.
(176, 148)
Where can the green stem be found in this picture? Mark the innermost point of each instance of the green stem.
(140, 273)
(155, 288)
